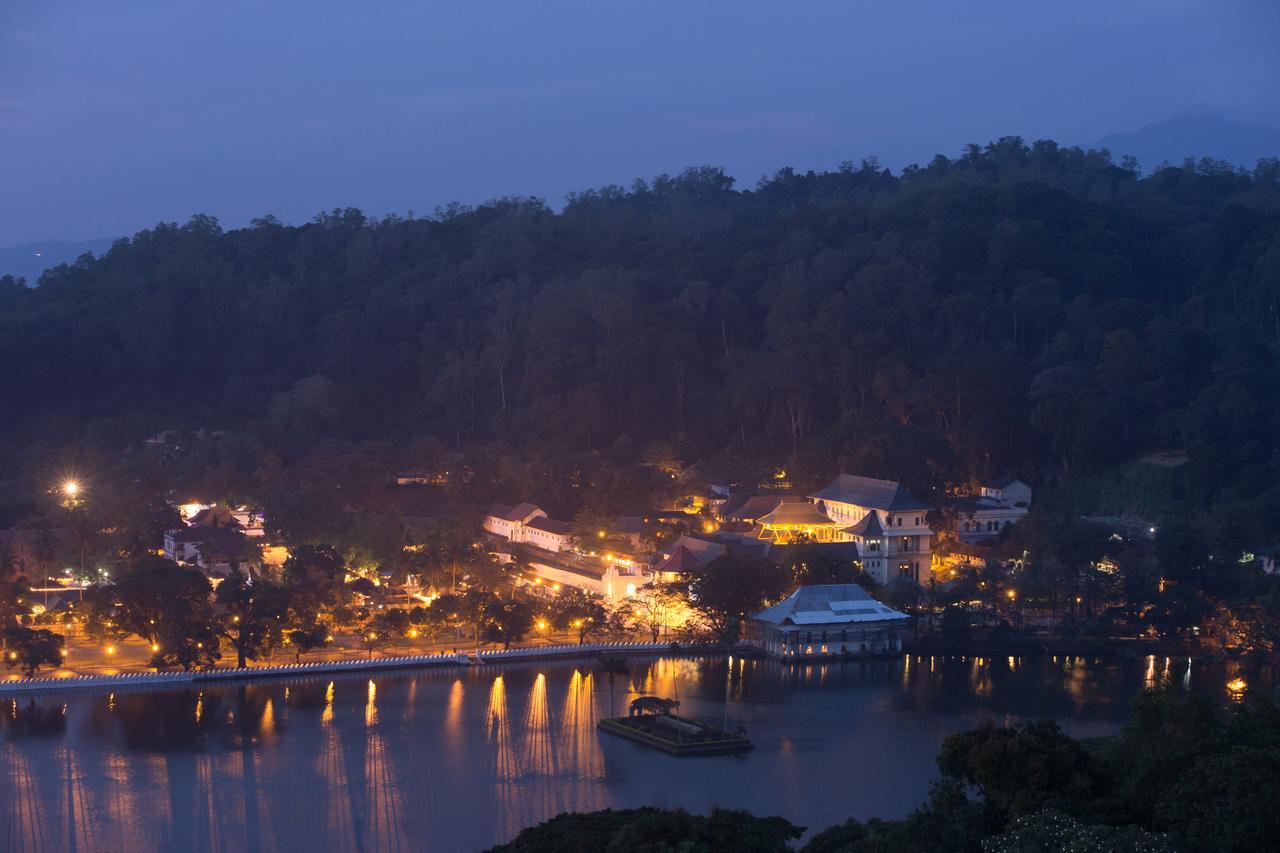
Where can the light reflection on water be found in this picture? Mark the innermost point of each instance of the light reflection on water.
(458, 760)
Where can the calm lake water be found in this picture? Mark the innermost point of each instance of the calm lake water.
(463, 759)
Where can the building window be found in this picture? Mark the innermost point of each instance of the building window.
(808, 650)
(824, 649)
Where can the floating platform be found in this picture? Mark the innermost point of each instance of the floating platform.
(676, 735)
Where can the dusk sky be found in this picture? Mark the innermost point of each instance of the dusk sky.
(119, 115)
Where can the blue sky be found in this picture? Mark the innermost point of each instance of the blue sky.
(116, 115)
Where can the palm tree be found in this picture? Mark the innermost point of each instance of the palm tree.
(613, 665)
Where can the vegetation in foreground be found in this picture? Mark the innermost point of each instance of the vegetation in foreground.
(1184, 775)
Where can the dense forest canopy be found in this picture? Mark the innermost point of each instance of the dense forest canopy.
(1024, 308)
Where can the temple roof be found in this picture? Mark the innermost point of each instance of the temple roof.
(870, 493)
(868, 528)
(828, 604)
(795, 511)
(752, 508)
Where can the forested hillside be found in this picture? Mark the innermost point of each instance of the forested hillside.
(1022, 308)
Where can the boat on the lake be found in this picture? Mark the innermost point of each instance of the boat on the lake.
(651, 722)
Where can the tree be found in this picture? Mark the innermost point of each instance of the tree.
(473, 610)
(728, 589)
(655, 606)
(15, 594)
(507, 622)
(391, 624)
(578, 610)
(314, 580)
(806, 563)
(1020, 770)
(656, 829)
(1050, 830)
(166, 605)
(32, 648)
(253, 615)
(308, 639)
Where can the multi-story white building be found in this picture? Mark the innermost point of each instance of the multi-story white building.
(904, 540)
(509, 521)
(1002, 502)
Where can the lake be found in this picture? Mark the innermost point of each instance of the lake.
(460, 759)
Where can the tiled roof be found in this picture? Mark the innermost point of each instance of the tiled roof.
(869, 492)
(753, 508)
(550, 525)
(519, 512)
(828, 604)
(795, 511)
(868, 527)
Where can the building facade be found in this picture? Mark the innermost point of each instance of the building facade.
(999, 504)
(827, 620)
(906, 541)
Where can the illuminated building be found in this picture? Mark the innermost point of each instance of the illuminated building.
(794, 518)
(908, 539)
(827, 620)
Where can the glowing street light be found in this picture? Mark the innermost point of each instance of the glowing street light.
(71, 489)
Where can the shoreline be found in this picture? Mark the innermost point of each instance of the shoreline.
(256, 673)
(533, 653)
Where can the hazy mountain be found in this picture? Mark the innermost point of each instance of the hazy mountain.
(31, 259)
(1242, 143)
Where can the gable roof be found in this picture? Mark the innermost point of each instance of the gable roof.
(869, 492)
(520, 512)
(214, 516)
(753, 507)
(828, 604)
(795, 511)
(629, 525)
(868, 528)
(680, 562)
(550, 525)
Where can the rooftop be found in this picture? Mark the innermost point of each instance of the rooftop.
(869, 492)
(828, 604)
(795, 512)
(550, 525)
(868, 528)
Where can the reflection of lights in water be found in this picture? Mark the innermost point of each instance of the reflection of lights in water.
(1013, 664)
(383, 797)
(503, 768)
(1236, 688)
(332, 772)
(1150, 678)
(499, 731)
(453, 710)
(539, 749)
(1186, 676)
(199, 707)
(980, 678)
(371, 705)
(29, 824)
(268, 719)
(76, 805)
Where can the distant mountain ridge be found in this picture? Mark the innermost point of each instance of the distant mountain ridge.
(29, 260)
(1172, 141)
